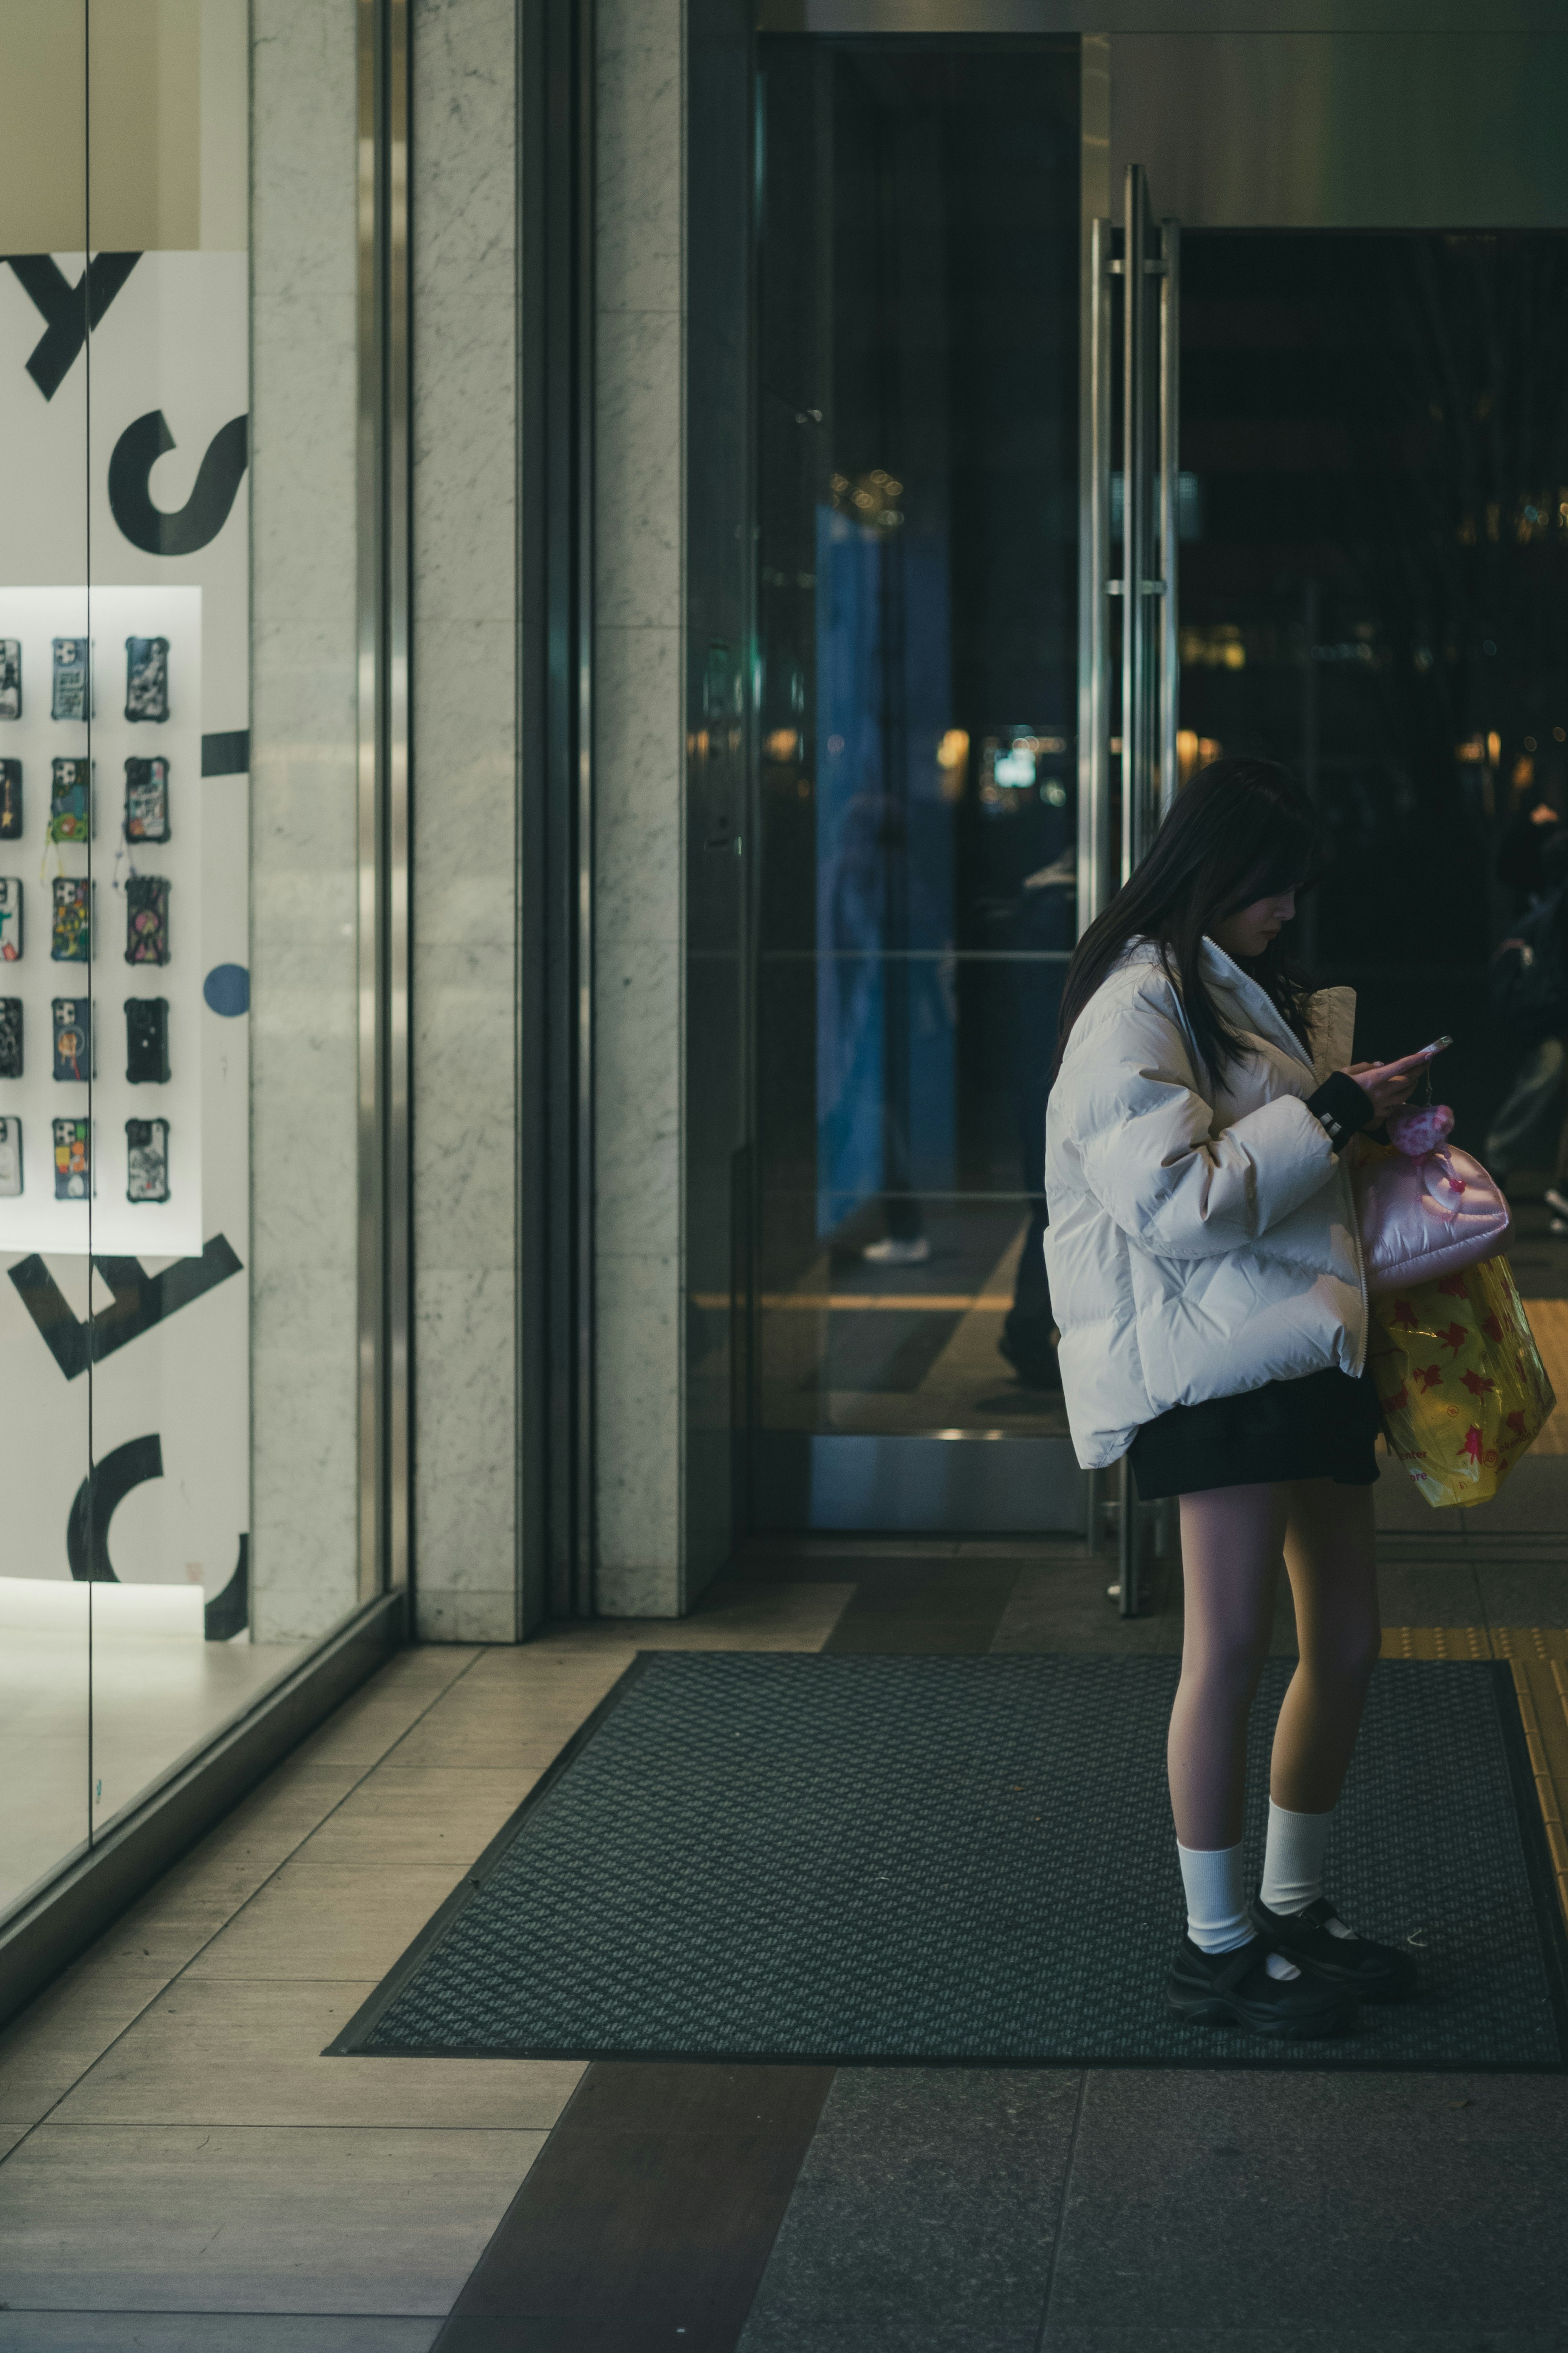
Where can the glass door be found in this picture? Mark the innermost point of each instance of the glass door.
(917, 660)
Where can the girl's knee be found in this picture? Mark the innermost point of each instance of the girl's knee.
(1347, 1655)
(1224, 1674)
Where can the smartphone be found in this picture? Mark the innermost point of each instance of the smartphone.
(146, 800)
(10, 1037)
(147, 1041)
(10, 1158)
(147, 920)
(71, 697)
(1402, 1061)
(73, 1038)
(147, 678)
(11, 682)
(70, 800)
(10, 918)
(146, 1159)
(70, 937)
(73, 1160)
(10, 800)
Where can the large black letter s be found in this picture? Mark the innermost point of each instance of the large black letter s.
(205, 512)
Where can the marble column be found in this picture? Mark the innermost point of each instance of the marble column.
(463, 209)
(304, 1372)
(639, 661)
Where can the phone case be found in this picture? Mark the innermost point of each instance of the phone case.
(11, 681)
(71, 697)
(10, 918)
(70, 800)
(10, 1158)
(146, 800)
(73, 1038)
(147, 920)
(10, 800)
(146, 1159)
(73, 1160)
(147, 1041)
(70, 941)
(147, 678)
(10, 1037)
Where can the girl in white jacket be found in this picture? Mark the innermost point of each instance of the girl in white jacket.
(1207, 1277)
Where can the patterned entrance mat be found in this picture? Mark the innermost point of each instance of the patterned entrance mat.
(965, 1858)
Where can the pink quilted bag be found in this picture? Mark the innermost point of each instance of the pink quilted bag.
(1425, 1207)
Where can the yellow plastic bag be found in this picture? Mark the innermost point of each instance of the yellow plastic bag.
(1463, 1389)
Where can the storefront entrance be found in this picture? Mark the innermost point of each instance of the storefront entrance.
(1051, 509)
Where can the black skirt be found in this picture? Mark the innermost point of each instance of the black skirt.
(1323, 1426)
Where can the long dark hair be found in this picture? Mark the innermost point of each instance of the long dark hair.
(1242, 831)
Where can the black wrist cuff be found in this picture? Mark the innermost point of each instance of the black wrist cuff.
(1342, 1108)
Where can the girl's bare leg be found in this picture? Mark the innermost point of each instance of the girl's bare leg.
(1329, 1555)
(1231, 1540)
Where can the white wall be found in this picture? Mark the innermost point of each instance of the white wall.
(465, 912)
(638, 768)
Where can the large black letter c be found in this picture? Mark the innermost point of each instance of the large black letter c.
(205, 512)
(98, 1498)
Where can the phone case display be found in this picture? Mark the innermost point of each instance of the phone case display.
(70, 800)
(73, 1037)
(146, 1182)
(146, 800)
(147, 678)
(10, 1158)
(147, 919)
(73, 1160)
(147, 1041)
(10, 677)
(70, 939)
(71, 698)
(146, 1159)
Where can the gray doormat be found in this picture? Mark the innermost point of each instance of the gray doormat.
(847, 1860)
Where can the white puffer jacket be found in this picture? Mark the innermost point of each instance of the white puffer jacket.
(1202, 1239)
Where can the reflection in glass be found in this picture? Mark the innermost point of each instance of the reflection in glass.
(917, 676)
(1379, 595)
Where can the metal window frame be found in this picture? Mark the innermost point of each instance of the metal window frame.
(555, 1072)
(383, 647)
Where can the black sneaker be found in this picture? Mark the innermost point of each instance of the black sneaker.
(1236, 1990)
(1369, 1971)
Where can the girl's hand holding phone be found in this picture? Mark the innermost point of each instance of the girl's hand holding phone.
(1388, 1084)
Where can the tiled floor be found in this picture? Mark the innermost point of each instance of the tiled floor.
(183, 2170)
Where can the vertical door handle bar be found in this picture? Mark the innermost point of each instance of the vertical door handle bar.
(1170, 514)
(1094, 878)
(1134, 510)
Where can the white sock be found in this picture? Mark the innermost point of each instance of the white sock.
(1216, 1908)
(1293, 1863)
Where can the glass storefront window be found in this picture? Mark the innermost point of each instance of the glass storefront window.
(138, 1614)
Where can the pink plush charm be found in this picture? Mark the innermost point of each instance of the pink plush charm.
(1419, 1127)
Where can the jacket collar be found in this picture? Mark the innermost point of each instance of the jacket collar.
(1227, 979)
(1222, 973)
